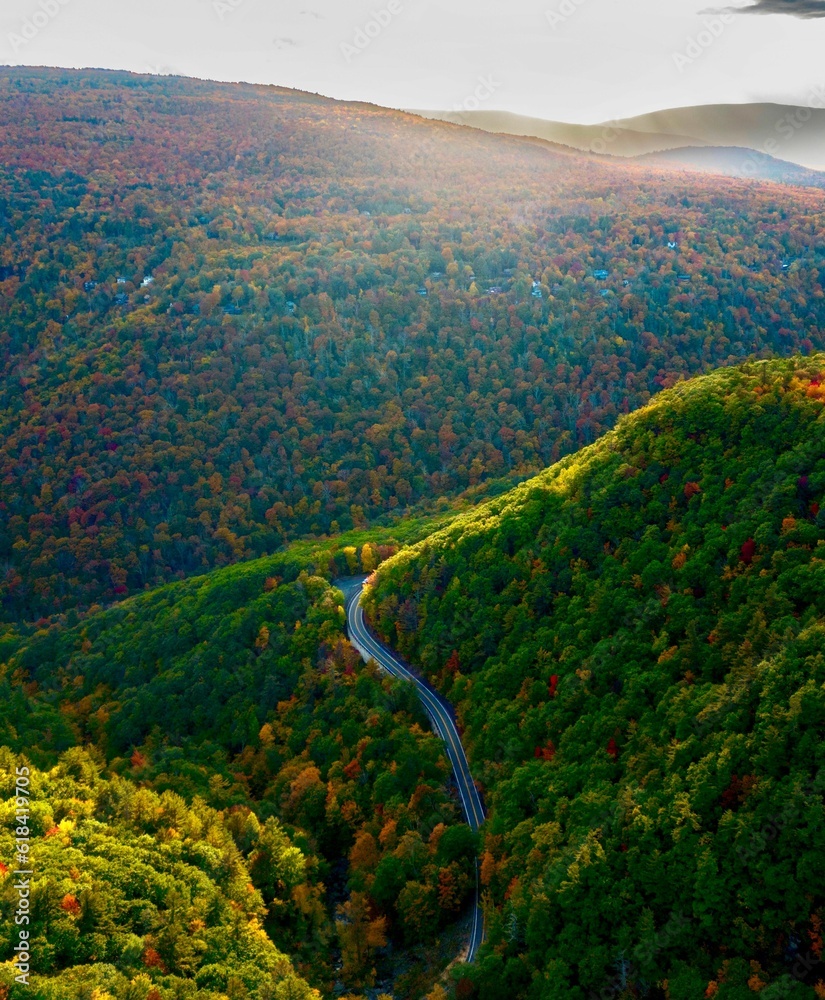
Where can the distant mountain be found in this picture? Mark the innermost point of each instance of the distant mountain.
(617, 140)
(790, 133)
(733, 161)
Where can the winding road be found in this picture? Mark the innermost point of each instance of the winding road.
(441, 715)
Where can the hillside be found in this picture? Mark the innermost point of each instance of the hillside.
(135, 889)
(229, 732)
(231, 316)
(790, 133)
(634, 641)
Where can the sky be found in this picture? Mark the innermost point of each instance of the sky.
(569, 60)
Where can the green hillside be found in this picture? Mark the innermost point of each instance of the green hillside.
(635, 641)
(229, 709)
(139, 895)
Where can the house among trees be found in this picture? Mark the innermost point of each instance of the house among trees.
(601, 274)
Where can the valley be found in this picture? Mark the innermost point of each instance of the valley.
(411, 552)
(441, 715)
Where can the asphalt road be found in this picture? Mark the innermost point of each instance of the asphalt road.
(441, 715)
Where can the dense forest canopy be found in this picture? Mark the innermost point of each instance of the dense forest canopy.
(635, 641)
(238, 691)
(141, 895)
(233, 315)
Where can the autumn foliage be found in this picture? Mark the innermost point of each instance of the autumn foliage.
(233, 315)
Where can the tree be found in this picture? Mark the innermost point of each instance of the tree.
(361, 935)
(276, 865)
(368, 558)
(293, 988)
(418, 910)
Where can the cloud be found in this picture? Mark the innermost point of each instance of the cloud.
(795, 8)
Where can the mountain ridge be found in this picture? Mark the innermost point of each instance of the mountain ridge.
(780, 131)
(633, 641)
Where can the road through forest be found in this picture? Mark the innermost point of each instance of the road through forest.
(441, 715)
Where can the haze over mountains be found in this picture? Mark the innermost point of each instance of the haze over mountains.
(795, 134)
(735, 161)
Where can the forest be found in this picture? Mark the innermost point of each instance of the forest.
(136, 888)
(564, 412)
(236, 693)
(634, 643)
(232, 316)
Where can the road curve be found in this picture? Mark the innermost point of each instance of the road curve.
(441, 715)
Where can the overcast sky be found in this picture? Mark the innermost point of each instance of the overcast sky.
(573, 60)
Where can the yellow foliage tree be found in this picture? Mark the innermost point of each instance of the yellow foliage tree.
(488, 868)
(262, 641)
(364, 854)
